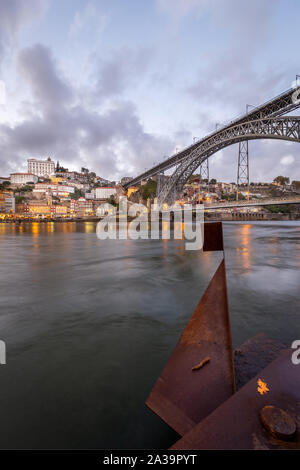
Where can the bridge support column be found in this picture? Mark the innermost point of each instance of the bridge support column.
(204, 173)
(160, 182)
(243, 168)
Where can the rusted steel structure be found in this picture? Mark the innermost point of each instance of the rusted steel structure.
(253, 419)
(199, 376)
(196, 396)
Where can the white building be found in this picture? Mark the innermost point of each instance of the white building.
(90, 195)
(105, 193)
(41, 167)
(54, 189)
(23, 178)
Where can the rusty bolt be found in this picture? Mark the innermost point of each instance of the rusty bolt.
(278, 422)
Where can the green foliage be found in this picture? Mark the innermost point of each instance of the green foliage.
(112, 201)
(4, 185)
(282, 180)
(19, 199)
(276, 209)
(149, 190)
(24, 189)
(228, 197)
(77, 194)
(213, 181)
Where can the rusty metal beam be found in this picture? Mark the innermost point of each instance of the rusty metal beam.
(199, 376)
(239, 423)
(213, 237)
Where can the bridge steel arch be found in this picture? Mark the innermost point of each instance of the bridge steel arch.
(282, 128)
(278, 106)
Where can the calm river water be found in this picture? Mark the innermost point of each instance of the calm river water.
(89, 324)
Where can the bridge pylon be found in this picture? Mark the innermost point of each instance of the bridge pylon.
(204, 172)
(160, 182)
(243, 167)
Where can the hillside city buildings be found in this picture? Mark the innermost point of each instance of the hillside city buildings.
(50, 191)
(47, 190)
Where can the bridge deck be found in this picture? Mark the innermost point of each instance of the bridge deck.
(256, 203)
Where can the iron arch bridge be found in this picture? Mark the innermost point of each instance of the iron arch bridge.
(263, 122)
(283, 128)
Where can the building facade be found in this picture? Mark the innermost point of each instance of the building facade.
(81, 207)
(41, 167)
(7, 203)
(54, 189)
(23, 178)
(105, 193)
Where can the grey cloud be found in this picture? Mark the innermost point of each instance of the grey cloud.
(112, 142)
(123, 68)
(37, 66)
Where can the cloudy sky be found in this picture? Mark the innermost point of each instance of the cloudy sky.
(116, 85)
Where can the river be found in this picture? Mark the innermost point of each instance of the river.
(89, 324)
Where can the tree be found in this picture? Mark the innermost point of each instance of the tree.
(213, 181)
(24, 189)
(149, 189)
(282, 180)
(112, 201)
(4, 185)
(77, 194)
(276, 209)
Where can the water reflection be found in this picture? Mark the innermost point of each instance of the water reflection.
(89, 227)
(94, 322)
(246, 253)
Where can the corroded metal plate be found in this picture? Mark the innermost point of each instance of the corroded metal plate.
(186, 393)
(236, 424)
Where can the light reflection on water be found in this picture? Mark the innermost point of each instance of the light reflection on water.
(90, 324)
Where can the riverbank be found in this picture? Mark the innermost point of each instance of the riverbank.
(210, 216)
(227, 217)
(46, 221)
(260, 216)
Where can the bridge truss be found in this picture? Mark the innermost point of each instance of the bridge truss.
(262, 122)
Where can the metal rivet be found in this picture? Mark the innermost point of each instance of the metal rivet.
(278, 422)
